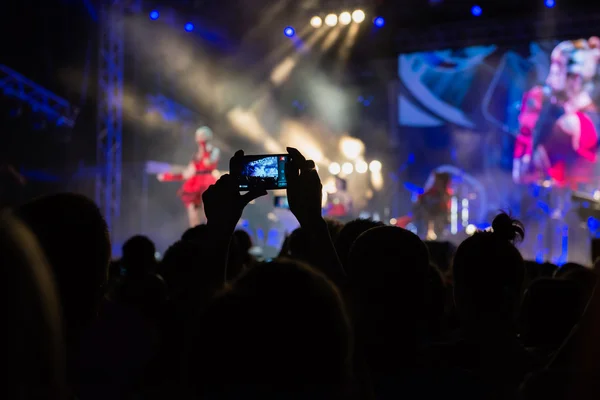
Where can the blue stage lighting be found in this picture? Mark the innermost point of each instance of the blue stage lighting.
(476, 10)
(550, 3)
(379, 22)
(289, 31)
(189, 27)
(154, 15)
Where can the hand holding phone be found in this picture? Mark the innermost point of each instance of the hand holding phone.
(259, 172)
(305, 191)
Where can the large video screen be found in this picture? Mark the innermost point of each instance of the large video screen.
(508, 122)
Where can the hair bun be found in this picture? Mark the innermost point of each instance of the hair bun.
(507, 228)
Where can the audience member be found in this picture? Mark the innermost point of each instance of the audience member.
(355, 311)
(33, 350)
(279, 331)
(74, 237)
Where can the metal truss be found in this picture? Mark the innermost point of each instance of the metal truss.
(54, 108)
(111, 51)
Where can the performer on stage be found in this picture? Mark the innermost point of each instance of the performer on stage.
(433, 207)
(198, 176)
(339, 203)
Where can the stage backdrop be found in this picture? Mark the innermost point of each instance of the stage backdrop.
(462, 110)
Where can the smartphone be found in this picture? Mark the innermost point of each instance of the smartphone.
(281, 202)
(260, 171)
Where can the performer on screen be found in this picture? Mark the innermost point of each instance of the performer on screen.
(560, 122)
(198, 176)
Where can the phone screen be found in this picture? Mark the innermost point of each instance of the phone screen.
(281, 202)
(260, 171)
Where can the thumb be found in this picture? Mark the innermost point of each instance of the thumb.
(252, 195)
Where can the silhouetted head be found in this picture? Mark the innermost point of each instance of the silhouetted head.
(32, 345)
(388, 272)
(243, 239)
(586, 277)
(185, 269)
(281, 325)
(349, 233)
(74, 237)
(197, 233)
(300, 244)
(389, 293)
(550, 310)
(488, 273)
(139, 255)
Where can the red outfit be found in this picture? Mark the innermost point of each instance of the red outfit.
(530, 112)
(192, 189)
(566, 165)
(570, 166)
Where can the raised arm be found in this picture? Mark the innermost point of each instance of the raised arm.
(304, 195)
(187, 173)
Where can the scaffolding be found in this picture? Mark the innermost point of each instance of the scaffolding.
(41, 100)
(111, 54)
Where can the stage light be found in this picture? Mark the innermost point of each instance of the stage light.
(550, 3)
(358, 16)
(316, 22)
(351, 148)
(393, 221)
(379, 22)
(347, 168)
(345, 18)
(361, 167)
(334, 168)
(289, 31)
(476, 10)
(470, 229)
(375, 166)
(154, 15)
(331, 20)
(189, 27)
(593, 224)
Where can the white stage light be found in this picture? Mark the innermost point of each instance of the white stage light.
(347, 168)
(351, 148)
(375, 166)
(334, 168)
(331, 20)
(361, 167)
(316, 22)
(358, 16)
(470, 229)
(345, 18)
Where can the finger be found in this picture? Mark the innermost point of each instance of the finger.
(297, 157)
(252, 195)
(228, 183)
(224, 179)
(309, 165)
(207, 193)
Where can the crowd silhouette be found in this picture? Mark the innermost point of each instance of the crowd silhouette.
(354, 311)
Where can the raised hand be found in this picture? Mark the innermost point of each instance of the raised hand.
(223, 203)
(304, 189)
(304, 196)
